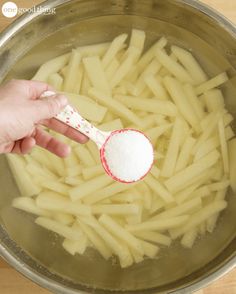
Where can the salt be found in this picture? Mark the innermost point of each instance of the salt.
(128, 155)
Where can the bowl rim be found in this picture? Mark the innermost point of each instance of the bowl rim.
(38, 278)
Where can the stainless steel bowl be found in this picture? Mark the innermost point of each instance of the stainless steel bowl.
(33, 39)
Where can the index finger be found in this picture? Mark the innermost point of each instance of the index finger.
(65, 130)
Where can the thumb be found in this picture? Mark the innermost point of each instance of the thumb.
(48, 107)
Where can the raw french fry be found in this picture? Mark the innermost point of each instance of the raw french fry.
(60, 229)
(57, 164)
(232, 160)
(221, 185)
(56, 81)
(149, 249)
(55, 202)
(158, 188)
(223, 145)
(71, 76)
(115, 209)
(93, 171)
(206, 147)
(117, 247)
(56, 186)
(74, 247)
(159, 225)
(115, 46)
(50, 67)
(79, 78)
(84, 155)
(189, 238)
(73, 181)
(154, 133)
(73, 171)
(96, 74)
(156, 87)
(119, 232)
(174, 67)
(211, 222)
(190, 63)
(181, 179)
(85, 84)
(115, 124)
(110, 71)
(35, 169)
(125, 66)
(24, 182)
(227, 118)
(172, 152)
(185, 154)
(153, 237)
(137, 39)
(89, 187)
(28, 204)
(92, 147)
(88, 109)
(229, 133)
(212, 83)
(181, 196)
(155, 171)
(108, 191)
(181, 100)
(214, 100)
(199, 217)
(95, 49)
(185, 208)
(116, 107)
(150, 105)
(97, 241)
(194, 101)
(63, 218)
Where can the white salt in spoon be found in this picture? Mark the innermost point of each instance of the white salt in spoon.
(126, 154)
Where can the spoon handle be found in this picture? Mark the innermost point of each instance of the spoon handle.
(72, 118)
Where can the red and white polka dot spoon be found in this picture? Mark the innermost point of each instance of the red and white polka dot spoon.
(126, 154)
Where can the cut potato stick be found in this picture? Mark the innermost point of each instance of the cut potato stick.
(88, 109)
(180, 180)
(57, 165)
(173, 67)
(137, 39)
(149, 249)
(119, 232)
(108, 191)
(159, 225)
(156, 87)
(158, 188)
(221, 185)
(206, 147)
(227, 118)
(189, 238)
(35, 169)
(200, 217)
(91, 172)
(185, 193)
(214, 100)
(89, 187)
(172, 152)
(24, 183)
(56, 186)
(117, 247)
(28, 204)
(60, 229)
(190, 63)
(115, 124)
(50, 67)
(74, 247)
(63, 218)
(229, 133)
(73, 181)
(185, 208)
(154, 237)
(74, 171)
(185, 154)
(94, 49)
(150, 105)
(154, 133)
(72, 71)
(181, 100)
(84, 155)
(115, 46)
(194, 101)
(97, 241)
(212, 83)
(92, 147)
(96, 74)
(110, 71)
(232, 160)
(55, 202)
(115, 209)
(155, 171)
(115, 106)
(223, 145)
(56, 81)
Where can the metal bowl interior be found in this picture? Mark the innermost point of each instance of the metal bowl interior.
(34, 39)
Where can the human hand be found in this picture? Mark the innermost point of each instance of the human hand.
(22, 113)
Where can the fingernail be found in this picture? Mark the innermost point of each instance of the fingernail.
(62, 100)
